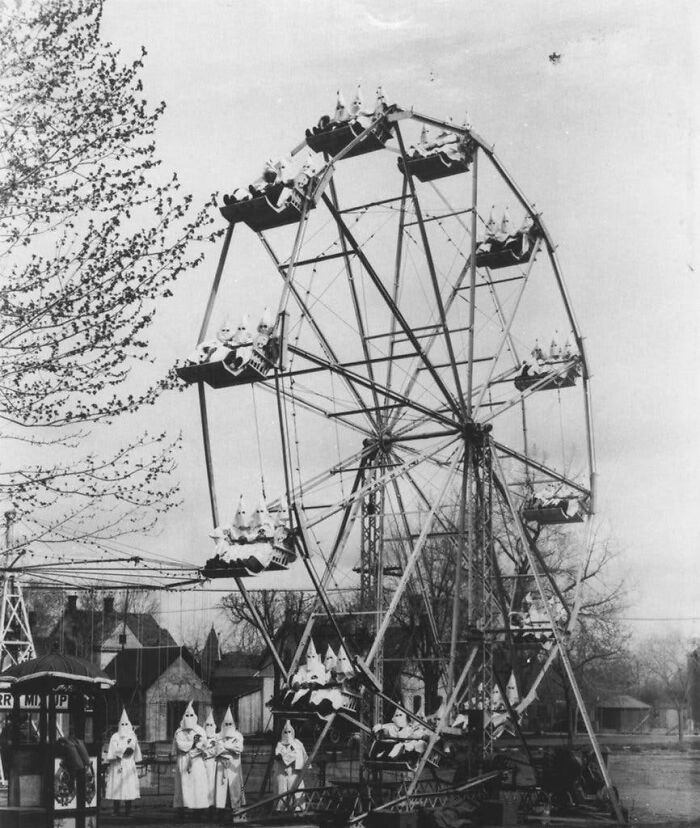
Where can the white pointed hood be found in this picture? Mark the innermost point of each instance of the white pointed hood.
(512, 693)
(330, 659)
(497, 698)
(210, 725)
(125, 727)
(265, 323)
(340, 109)
(288, 734)
(344, 665)
(505, 222)
(399, 718)
(241, 519)
(381, 100)
(356, 105)
(228, 726)
(261, 517)
(313, 660)
(491, 223)
(189, 718)
(225, 331)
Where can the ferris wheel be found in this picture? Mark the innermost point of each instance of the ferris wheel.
(424, 393)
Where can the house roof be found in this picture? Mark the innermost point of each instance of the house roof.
(145, 627)
(623, 702)
(235, 687)
(94, 626)
(239, 660)
(141, 667)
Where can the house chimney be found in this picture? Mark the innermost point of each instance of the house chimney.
(108, 604)
(31, 617)
(72, 603)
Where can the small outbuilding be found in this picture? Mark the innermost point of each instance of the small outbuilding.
(623, 714)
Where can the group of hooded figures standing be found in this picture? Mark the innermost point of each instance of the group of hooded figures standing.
(208, 768)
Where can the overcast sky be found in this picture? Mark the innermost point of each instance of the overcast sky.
(604, 142)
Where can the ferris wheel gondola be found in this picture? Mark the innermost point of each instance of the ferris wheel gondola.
(410, 426)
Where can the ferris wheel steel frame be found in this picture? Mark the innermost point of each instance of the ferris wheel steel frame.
(379, 463)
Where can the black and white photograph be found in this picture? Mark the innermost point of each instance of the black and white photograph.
(348, 413)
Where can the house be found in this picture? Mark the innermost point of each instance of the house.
(97, 632)
(247, 686)
(155, 685)
(248, 682)
(242, 681)
(132, 630)
(623, 714)
(155, 677)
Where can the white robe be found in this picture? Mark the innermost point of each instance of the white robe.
(229, 772)
(210, 768)
(121, 778)
(191, 784)
(289, 762)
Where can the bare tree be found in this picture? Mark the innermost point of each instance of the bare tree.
(92, 236)
(283, 614)
(599, 640)
(663, 659)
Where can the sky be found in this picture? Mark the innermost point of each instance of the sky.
(605, 142)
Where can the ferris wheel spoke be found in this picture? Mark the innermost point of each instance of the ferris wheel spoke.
(505, 338)
(558, 638)
(378, 482)
(392, 306)
(415, 553)
(566, 366)
(398, 262)
(486, 276)
(366, 383)
(448, 302)
(361, 330)
(541, 467)
(400, 517)
(437, 296)
(498, 305)
(320, 336)
(313, 408)
(524, 567)
(443, 520)
(306, 487)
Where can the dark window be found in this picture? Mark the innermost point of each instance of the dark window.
(176, 710)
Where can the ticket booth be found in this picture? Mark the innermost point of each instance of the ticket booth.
(54, 718)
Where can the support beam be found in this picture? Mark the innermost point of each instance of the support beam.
(384, 293)
(446, 712)
(354, 377)
(215, 521)
(307, 315)
(413, 559)
(561, 645)
(431, 270)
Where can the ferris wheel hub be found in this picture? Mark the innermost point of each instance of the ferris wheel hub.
(380, 442)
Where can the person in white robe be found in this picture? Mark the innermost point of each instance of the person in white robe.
(290, 760)
(210, 757)
(229, 769)
(190, 745)
(344, 670)
(121, 756)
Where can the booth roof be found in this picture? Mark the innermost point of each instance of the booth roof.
(54, 668)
